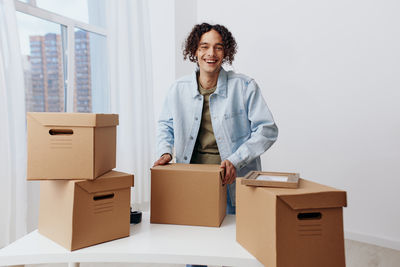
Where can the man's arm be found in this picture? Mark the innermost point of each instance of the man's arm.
(165, 134)
(264, 131)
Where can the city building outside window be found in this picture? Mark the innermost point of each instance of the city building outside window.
(63, 45)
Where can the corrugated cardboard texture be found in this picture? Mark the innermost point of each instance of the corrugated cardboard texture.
(309, 242)
(110, 181)
(100, 216)
(256, 223)
(56, 211)
(188, 194)
(292, 227)
(79, 213)
(74, 119)
(105, 142)
(86, 150)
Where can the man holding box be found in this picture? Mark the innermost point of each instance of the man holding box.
(215, 116)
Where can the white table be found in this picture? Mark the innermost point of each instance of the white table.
(147, 243)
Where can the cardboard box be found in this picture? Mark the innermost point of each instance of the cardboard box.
(188, 194)
(81, 213)
(291, 227)
(70, 145)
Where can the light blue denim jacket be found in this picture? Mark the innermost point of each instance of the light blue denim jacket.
(243, 125)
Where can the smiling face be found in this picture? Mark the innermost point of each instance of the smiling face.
(210, 53)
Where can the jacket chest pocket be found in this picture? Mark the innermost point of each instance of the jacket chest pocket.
(236, 124)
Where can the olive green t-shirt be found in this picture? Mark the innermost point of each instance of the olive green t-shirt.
(206, 149)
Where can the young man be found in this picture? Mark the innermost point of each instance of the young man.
(214, 116)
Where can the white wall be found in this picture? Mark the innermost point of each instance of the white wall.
(185, 19)
(330, 72)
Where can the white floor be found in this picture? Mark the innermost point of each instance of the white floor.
(364, 255)
(357, 255)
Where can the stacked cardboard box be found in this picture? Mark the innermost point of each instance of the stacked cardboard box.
(291, 227)
(188, 194)
(82, 201)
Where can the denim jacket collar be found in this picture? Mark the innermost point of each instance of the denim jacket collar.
(221, 83)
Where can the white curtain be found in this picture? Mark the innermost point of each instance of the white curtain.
(129, 55)
(13, 193)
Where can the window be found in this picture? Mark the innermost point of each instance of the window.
(63, 45)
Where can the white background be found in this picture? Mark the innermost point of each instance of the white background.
(330, 72)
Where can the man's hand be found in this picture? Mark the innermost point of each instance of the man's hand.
(164, 159)
(230, 172)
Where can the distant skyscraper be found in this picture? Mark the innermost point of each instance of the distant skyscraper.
(47, 73)
(26, 66)
(83, 92)
(46, 88)
(37, 74)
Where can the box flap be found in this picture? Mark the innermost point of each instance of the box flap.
(316, 200)
(74, 119)
(189, 167)
(104, 120)
(110, 181)
(310, 195)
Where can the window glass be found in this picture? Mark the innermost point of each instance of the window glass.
(88, 11)
(91, 82)
(43, 63)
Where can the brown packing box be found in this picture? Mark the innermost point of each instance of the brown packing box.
(81, 213)
(188, 194)
(291, 227)
(70, 145)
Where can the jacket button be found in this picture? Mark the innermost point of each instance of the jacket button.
(191, 138)
(196, 118)
(185, 158)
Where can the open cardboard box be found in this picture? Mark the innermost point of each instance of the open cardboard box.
(291, 227)
(70, 145)
(81, 213)
(188, 194)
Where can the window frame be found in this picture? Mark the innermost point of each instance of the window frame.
(70, 24)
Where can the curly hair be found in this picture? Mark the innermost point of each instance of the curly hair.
(192, 42)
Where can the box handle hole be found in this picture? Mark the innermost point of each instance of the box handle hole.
(95, 198)
(309, 216)
(61, 132)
